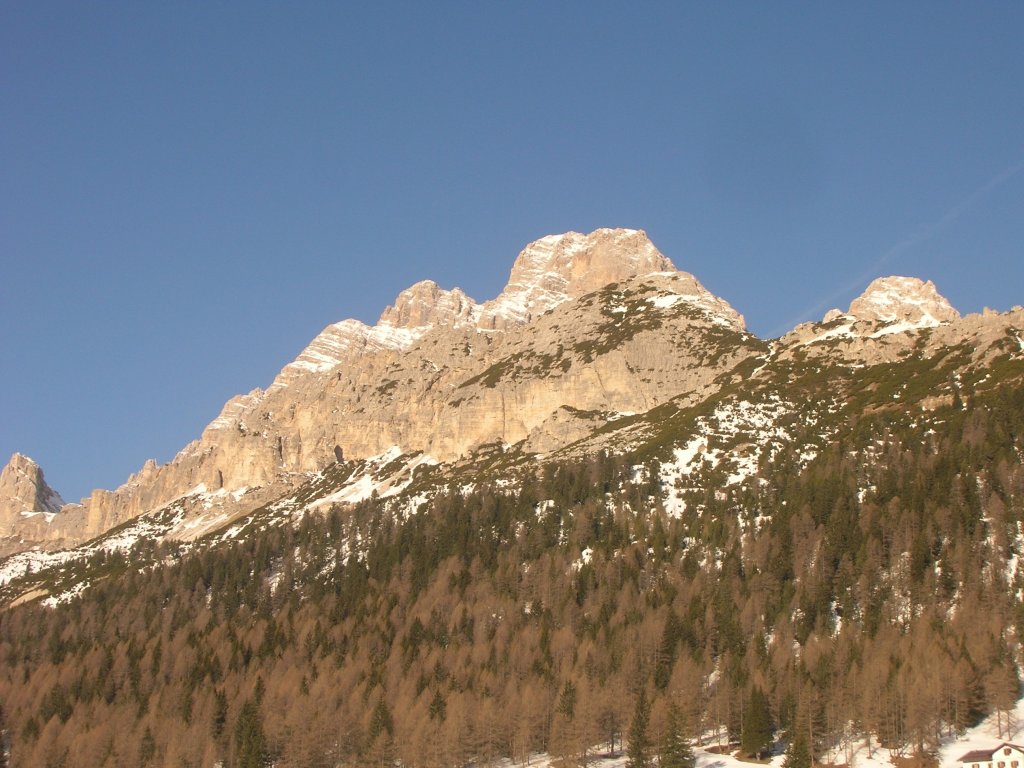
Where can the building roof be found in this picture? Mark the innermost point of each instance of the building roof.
(984, 755)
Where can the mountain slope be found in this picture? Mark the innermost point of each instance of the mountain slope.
(503, 534)
(740, 406)
(822, 544)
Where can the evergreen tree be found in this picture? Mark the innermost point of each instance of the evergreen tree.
(438, 707)
(567, 701)
(220, 713)
(147, 748)
(381, 721)
(666, 648)
(639, 746)
(380, 745)
(250, 743)
(676, 751)
(758, 734)
(797, 753)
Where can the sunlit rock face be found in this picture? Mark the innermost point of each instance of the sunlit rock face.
(589, 327)
(27, 504)
(905, 300)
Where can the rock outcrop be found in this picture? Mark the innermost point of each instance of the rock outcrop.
(23, 489)
(907, 300)
(27, 504)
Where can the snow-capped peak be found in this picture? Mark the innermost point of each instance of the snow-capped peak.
(901, 303)
(910, 299)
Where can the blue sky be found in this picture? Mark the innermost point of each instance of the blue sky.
(189, 192)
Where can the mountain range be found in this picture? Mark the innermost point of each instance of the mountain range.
(590, 331)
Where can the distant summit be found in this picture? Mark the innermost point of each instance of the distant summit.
(906, 300)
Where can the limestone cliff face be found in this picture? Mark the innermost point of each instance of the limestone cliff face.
(23, 490)
(27, 503)
(443, 374)
(589, 327)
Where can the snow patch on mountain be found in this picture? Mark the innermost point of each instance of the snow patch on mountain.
(686, 289)
(377, 476)
(903, 326)
(665, 301)
(715, 444)
(32, 561)
(843, 331)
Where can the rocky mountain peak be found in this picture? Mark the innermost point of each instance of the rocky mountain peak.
(24, 492)
(908, 300)
(416, 310)
(546, 273)
(888, 307)
(427, 304)
(556, 268)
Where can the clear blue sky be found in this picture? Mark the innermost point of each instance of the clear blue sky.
(190, 191)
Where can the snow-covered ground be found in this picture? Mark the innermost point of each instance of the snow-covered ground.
(370, 480)
(984, 736)
(725, 426)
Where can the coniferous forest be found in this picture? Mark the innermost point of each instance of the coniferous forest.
(872, 594)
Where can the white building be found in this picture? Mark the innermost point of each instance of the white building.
(1004, 755)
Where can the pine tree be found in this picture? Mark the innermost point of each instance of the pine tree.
(381, 721)
(797, 754)
(667, 647)
(757, 735)
(438, 707)
(567, 701)
(250, 742)
(147, 748)
(220, 713)
(676, 751)
(639, 747)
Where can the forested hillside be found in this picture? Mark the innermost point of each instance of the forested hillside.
(871, 591)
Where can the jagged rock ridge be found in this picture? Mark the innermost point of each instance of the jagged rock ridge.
(589, 327)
